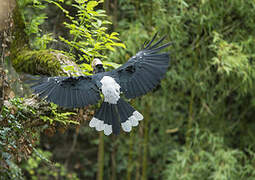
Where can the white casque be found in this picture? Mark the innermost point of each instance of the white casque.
(95, 62)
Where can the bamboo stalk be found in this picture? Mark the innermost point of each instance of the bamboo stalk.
(113, 158)
(151, 12)
(130, 155)
(145, 141)
(100, 161)
(139, 155)
(106, 6)
(137, 4)
(115, 14)
(190, 120)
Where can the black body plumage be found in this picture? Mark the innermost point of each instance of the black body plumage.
(139, 75)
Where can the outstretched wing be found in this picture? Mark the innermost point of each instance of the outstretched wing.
(70, 92)
(143, 71)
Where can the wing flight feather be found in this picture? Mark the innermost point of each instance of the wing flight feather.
(70, 92)
(143, 71)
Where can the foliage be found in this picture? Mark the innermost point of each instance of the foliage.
(88, 30)
(210, 83)
(16, 139)
(199, 123)
(232, 63)
(58, 117)
(36, 168)
(21, 125)
(209, 157)
(34, 17)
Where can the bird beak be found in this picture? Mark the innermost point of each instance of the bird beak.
(95, 62)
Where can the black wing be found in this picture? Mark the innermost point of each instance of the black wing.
(143, 71)
(70, 92)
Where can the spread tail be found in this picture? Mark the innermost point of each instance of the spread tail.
(110, 117)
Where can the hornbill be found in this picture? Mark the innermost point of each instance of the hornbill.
(139, 75)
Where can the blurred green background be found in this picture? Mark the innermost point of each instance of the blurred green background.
(198, 124)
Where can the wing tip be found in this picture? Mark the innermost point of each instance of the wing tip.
(149, 46)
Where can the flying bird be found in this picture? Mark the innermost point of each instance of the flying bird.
(139, 75)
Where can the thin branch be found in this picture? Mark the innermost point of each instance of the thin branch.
(75, 137)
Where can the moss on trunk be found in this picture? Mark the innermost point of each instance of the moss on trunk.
(46, 62)
(26, 60)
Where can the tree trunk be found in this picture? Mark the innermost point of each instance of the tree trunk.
(5, 36)
(2, 79)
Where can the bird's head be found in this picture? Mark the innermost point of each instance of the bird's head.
(97, 66)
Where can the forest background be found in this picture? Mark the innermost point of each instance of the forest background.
(199, 124)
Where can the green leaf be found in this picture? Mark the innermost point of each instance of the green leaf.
(111, 64)
(119, 45)
(91, 5)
